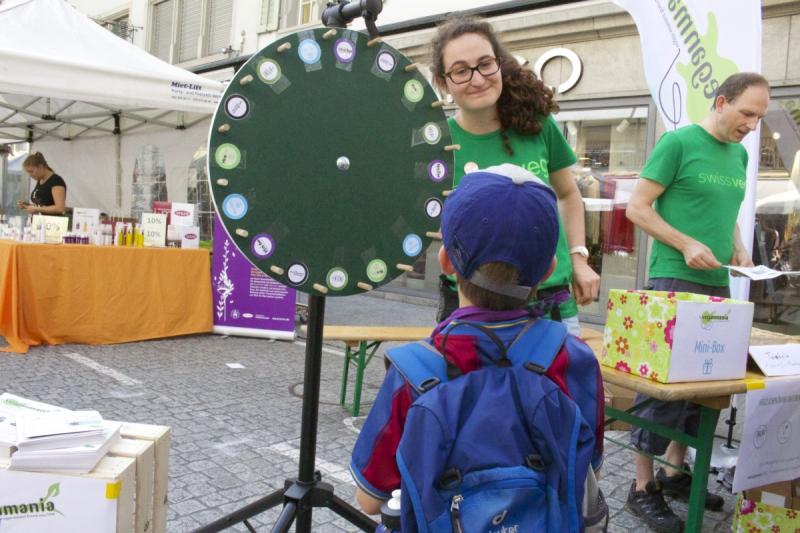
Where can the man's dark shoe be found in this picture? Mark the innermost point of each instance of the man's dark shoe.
(649, 505)
(679, 486)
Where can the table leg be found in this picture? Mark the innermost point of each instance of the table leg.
(361, 363)
(704, 447)
(348, 354)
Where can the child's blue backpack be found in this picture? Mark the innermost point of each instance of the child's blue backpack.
(500, 449)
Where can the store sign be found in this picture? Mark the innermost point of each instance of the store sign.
(571, 57)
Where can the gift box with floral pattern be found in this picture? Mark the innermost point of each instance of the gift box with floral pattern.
(755, 517)
(676, 336)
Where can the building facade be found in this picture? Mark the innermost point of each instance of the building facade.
(591, 51)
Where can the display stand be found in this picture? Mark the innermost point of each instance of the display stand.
(329, 192)
(301, 494)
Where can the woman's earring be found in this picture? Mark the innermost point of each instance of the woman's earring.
(449, 99)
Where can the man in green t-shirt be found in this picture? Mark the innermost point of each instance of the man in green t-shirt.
(688, 201)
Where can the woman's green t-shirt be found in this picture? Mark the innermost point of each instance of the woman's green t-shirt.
(541, 154)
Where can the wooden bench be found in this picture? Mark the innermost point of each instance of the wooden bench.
(361, 344)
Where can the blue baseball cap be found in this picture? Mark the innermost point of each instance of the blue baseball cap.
(501, 214)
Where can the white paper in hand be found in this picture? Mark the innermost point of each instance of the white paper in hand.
(761, 272)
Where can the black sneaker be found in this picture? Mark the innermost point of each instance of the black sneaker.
(649, 505)
(679, 486)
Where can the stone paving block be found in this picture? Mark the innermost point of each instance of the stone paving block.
(227, 423)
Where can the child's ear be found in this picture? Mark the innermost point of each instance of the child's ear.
(445, 264)
(550, 270)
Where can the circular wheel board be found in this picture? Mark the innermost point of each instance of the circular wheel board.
(329, 161)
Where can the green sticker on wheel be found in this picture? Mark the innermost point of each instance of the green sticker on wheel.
(337, 278)
(414, 91)
(377, 270)
(227, 156)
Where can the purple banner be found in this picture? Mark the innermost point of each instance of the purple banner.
(247, 301)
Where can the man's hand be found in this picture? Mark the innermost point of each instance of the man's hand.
(585, 282)
(699, 256)
(741, 258)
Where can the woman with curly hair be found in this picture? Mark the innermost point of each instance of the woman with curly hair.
(505, 116)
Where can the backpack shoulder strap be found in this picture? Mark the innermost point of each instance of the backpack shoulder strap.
(538, 344)
(420, 364)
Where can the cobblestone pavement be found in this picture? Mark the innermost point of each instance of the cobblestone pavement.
(236, 431)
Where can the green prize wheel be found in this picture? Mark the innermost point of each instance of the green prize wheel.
(329, 159)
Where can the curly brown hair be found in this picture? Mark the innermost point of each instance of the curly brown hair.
(524, 101)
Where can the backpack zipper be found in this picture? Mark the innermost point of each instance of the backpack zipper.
(455, 513)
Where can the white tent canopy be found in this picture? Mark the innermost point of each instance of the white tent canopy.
(62, 75)
(90, 101)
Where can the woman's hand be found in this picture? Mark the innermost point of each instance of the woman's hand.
(32, 209)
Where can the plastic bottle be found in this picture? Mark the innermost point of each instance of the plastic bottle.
(390, 514)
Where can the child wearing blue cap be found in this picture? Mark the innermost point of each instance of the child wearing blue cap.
(500, 231)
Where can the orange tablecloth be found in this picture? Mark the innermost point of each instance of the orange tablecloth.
(56, 294)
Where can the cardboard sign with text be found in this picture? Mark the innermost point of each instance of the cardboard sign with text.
(154, 227)
(54, 227)
(182, 214)
(31, 501)
(675, 336)
(84, 218)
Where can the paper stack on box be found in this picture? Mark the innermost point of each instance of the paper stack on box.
(49, 438)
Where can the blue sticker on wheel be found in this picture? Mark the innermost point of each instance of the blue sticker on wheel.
(412, 245)
(234, 206)
(309, 51)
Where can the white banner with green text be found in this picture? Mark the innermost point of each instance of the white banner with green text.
(689, 48)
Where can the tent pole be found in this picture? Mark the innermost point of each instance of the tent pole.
(118, 150)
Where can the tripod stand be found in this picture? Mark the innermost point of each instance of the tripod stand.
(301, 494)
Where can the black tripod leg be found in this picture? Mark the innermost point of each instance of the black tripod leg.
(286, 518)
(248, 511)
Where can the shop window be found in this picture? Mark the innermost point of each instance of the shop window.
(610, 145)
(776, 239)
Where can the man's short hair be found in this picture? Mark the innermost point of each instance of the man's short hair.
(736, 84)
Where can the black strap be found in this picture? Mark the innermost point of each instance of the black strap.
(452, 370)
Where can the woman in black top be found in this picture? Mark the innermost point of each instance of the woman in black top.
(50, 194)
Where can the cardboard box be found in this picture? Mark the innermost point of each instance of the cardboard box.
(783, 494)
(101, 501)
(618, 398)
(143, 453)
(161, 437)
(676, 336)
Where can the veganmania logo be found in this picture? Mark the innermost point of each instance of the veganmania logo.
(707, 318)
(705, 70)
(26, 510)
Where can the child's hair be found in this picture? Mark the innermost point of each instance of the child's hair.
(525, 99)
(500, 273)
(36, 159)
